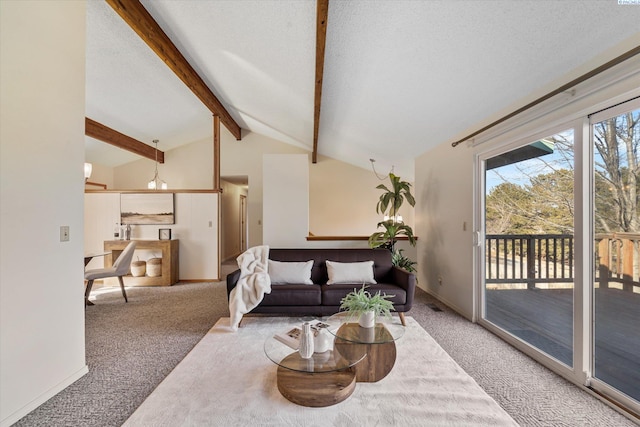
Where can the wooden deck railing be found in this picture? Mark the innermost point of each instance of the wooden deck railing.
(618, 257)
(549, 258)
(529, 258)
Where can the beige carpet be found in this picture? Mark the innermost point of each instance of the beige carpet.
(227, 380)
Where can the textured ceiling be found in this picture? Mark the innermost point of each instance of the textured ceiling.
(400, 76)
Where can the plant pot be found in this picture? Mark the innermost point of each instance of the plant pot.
(367, 319)
(367, 335)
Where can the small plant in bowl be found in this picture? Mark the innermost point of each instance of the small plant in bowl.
(367, 307)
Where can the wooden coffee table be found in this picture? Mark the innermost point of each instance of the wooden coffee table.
(322, 380)
(377, 342)
(358, 355)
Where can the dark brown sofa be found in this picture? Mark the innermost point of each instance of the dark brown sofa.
(321, 299)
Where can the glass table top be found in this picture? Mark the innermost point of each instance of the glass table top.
(327, 361)
(347, 328)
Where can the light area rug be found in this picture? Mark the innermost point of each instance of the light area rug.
(226, 380)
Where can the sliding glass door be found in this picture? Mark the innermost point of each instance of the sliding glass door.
(559, 258)
(616, 221)
(529, 239)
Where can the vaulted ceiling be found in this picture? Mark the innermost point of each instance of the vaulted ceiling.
(399, 76)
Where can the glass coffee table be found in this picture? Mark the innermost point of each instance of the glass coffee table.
(378, 343)
(357, 355)
(324, 379)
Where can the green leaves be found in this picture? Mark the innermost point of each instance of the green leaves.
(393, 230)
(360, 301)
(392, 200)
(401, 261)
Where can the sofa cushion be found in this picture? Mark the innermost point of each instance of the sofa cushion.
(293, 295)
(381, 260)
(333, 294)
(350, 272)
(294, 273)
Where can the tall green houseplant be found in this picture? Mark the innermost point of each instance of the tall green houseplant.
(389, 205)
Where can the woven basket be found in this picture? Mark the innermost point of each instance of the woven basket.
(138, 268)
(154, 267)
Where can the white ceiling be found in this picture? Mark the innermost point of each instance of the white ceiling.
(400, 76)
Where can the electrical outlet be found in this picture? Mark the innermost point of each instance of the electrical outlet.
(440, 280)
(64, 233)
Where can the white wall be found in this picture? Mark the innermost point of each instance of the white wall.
(343, 199)
(42, 348)
(444, 202)
(101, 213)
(286, 200)
(196, 227)
(189, 167)
(245, 158)
(286, 209)
(101, 174)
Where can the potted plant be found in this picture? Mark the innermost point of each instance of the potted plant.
(389, 205)
(367, 307)
(387, 238)
(400, 260)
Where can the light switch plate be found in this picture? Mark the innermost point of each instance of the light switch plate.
(64, 233)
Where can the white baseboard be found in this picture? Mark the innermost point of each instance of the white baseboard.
(17, 415)
(449, 304)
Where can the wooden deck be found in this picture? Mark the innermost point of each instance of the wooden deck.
(544, 318)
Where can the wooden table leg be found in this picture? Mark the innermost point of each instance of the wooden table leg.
(376, 365)
(316, 389)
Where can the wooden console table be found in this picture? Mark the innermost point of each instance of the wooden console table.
(170, 261)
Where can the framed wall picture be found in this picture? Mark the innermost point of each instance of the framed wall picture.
(164, 234)
(147, 208)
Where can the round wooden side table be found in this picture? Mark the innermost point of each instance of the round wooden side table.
(322, 380)
(377, 342)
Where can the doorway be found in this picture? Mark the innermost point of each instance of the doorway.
(243, 223)
(234, 232)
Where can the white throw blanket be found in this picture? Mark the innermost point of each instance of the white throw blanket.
(253, 283)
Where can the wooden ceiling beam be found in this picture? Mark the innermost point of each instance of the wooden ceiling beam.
(110, 136)
(322, 13)
(137, 17)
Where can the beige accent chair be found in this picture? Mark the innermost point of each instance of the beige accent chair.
(119, 269)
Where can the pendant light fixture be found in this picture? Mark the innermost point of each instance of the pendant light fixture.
(156, 183)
